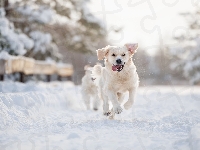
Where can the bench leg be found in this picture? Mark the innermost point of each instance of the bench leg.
(59, 78)
(69, 78)
(21, 77)
(1, 77)
(48, 78)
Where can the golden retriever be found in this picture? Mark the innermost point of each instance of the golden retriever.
(118, 76)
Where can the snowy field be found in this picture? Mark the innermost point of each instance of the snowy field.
(39, 116)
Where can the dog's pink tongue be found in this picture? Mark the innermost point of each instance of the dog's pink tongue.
(114, 67)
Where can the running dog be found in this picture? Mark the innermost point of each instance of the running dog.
(89, 89)
(118, 76)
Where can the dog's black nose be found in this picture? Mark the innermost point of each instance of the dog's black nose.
(119, 61)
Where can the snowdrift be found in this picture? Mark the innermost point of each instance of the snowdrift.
(52, 116)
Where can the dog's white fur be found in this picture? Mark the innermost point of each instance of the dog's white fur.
(113, 84)
(89, 90)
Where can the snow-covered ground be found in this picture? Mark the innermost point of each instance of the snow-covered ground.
(41, 116)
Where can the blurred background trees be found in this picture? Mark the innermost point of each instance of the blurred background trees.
(67, 24)
(60, 30)
(186, 54)
(56, 30)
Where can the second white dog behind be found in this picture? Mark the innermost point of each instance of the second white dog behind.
(89, 89)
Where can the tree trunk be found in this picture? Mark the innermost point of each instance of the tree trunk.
(5, 5)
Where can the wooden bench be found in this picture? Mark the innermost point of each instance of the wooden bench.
(28, 66)
(64, 70)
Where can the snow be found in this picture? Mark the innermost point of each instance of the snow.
(89, 16)
(188, 60)
(195, 137)
(41, 14)
(17, 42)
(2, 12)
(60, 64)
(4, 55)
(52, 116)
(41, 40)
(28, 44)
(76, 38)
(186, 52)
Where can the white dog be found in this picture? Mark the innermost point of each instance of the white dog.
(118, 76)
(89, 89)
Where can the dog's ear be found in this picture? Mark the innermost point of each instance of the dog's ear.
(132, 48)
(98, 63)
(86, 67)
(101, 53)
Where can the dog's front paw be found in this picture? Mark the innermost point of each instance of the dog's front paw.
(107, 113)
(128, 105)
(117, 109)
(95, 109)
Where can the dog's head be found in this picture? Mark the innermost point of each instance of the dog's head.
(117, 56)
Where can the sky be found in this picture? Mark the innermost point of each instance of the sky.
(148, 22)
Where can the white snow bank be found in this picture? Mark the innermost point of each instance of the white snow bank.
(52, 116)
(33, 97)
(17, 87)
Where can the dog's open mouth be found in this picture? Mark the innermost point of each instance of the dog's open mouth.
(117, 67)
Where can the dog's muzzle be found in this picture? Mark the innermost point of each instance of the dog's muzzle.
(117, 67)
(93, 79)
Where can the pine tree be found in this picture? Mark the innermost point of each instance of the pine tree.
(186, 55)
(11, 40)
(53, 25)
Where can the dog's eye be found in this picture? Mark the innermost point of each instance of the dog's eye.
(113, 54)
(123, 54)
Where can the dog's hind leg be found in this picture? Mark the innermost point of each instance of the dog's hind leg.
(104, 97)
(96, 102)
(86, 99)
(106, 110)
